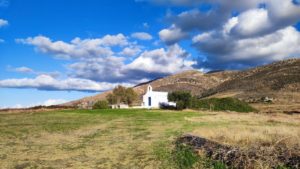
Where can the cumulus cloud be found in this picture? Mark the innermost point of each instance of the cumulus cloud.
(251, 23)
(277, 14)
(225, 52)
(77, 48)
(3, 23)
(27, 70)
(149, 64)
(234, 33)
(89, 63)
(130, 51)
(46, 82)
(100, 69)
(172, 35)
(141, 36)
(161, 61)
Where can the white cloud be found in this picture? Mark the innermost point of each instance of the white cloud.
(3, 23)
(90, 62)
(261, 31)
(224, 51)
(250, 23)
(141, 36)
(161, 61)
(130, 51)
(51, 102)
(100, 69)
(23, 69)
(77, 48)
(46, 82)
(172, 35)
(284, 11)
(27, 70)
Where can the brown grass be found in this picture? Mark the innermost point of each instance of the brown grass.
(246, 129)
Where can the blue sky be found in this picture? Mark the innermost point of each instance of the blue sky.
(53, 51)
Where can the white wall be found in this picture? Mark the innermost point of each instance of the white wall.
(156, 99)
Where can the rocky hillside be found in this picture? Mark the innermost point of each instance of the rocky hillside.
(268, 80)
(279, 81)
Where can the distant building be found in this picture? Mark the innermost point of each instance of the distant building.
(154, 99)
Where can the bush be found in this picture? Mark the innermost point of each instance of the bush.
(182, 98)
(102, 104)
(180, 105)
(222, 104)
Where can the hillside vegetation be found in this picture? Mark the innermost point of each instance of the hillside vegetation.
(222, 104)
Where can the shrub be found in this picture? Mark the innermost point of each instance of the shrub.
(102, 104)
(180, 105)
(222, 104)
(181, 97)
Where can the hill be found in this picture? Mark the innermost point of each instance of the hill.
(194, 81)
(279, 81)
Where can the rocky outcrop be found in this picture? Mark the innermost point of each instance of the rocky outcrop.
(237, 158)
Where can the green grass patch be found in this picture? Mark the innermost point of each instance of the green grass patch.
(222, 104)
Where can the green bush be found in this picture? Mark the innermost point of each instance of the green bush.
(182, 98)
(180, 105)
(102, 104)
(222, 104)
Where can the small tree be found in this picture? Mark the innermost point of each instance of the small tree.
(131, 96)
(111, 98)
(122, 94)
(101, 104)
(182, 98)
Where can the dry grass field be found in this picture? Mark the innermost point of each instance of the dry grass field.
(133, 138)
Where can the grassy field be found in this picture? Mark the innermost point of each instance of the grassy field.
(131, 138)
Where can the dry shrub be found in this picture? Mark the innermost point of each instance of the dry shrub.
(274, 138)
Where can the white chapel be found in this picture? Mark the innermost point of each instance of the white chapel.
(153, 99)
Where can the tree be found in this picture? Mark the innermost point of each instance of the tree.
(101, 104)
(112, 99)
(122, 94)
(131, 96)
(181, 97)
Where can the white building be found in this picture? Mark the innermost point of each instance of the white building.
(153, 99)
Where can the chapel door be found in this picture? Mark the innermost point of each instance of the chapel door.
(149, 101)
